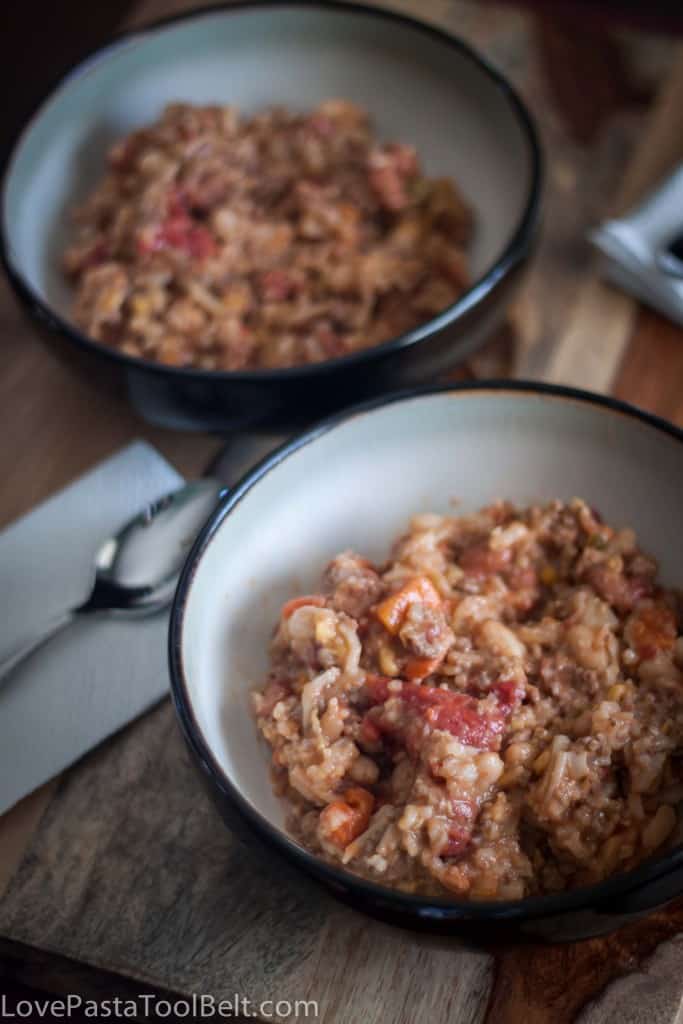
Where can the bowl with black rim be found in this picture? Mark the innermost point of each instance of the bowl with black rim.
(419, 83)
(354, 481)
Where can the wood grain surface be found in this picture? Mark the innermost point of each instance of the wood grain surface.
(155, 889)
(119, 877)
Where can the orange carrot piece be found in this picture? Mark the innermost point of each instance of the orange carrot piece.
(344, 820)
(417, 669)
(419, 590)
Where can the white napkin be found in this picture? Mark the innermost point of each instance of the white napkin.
(99, 673)
(632, 244)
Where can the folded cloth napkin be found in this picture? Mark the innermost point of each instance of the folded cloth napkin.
(637, 249)
(98, 673)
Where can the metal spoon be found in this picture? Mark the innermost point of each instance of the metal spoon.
(137, 569)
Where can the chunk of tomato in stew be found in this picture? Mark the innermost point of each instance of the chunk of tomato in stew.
(179, 231)
(457, 713)
(392, 610)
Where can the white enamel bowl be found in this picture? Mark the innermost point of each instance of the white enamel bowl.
(353, 482)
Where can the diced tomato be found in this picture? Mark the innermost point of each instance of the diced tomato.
(194, 238)
(455, 713)
(289, 607)
(179, 231)
(182, 234)
(392, 610)
(461, 718)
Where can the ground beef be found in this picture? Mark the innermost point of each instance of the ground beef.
(353, 584)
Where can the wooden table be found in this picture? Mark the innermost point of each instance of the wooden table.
(567, 327)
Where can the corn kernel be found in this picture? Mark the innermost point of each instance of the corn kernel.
(387, 662)
(548, 575)
(541, 762)
(616, 692)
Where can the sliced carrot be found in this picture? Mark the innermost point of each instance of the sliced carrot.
(344, 820)
(392, 610)
(360, 799)
(417, 669)
(289, 607)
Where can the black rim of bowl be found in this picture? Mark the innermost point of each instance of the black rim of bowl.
(513, 254)
(602, 896)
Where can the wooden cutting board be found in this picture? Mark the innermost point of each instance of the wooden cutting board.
(131, 872)
(126, 879)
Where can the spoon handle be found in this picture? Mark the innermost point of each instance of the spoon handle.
(10, 659)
